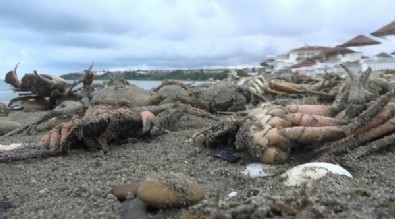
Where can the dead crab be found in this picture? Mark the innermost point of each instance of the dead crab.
(261, 85)
(100, 125)
(43, 86)
(357, 117)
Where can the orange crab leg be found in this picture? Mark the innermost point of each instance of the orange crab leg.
(285, 87)
(313, 134)
(65, 130)
(55, 136)
(322, 110)
(147, 117)
(44, 141)
(304, 119)
(382, 116)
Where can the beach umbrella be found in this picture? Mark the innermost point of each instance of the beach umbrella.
(360, 40)
(338, 50)
(384, 55)
(386, 30)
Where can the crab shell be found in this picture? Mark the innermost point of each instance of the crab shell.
(271, 131)
(94, 127)
(262, 137)
(43, 84)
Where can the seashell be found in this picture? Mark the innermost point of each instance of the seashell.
(225, 155)
(309, 172)
(170, 190)
(258, 170)
(10, 147)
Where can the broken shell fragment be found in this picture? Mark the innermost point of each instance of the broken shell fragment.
(10, 147)
(258, 170)
(170, 190)
(225, 155)
(308, 172)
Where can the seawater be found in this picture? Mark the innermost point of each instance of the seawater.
(6, 92)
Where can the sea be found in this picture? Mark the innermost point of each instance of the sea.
(6, 92)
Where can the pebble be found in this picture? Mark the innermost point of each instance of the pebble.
(121, 191)
(170, 190)
(4, 111)
(7, 126)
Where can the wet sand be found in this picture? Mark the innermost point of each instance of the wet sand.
(78, 185)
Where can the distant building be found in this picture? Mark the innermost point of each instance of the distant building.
(378, 62)
(320, 59)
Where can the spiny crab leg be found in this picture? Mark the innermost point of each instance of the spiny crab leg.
(372, 147)
(352, 142)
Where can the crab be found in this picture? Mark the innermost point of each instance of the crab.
(43, 86)
(100, 126)
(261, 85)
(357, 117)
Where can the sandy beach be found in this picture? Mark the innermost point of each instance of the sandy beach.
(79, 185)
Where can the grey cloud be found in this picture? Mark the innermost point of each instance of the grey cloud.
(65, 36)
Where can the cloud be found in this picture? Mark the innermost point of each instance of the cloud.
(65, 36)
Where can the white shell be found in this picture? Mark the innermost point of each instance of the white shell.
(10, 147)
(257, 170)
(232, 194)
(309, 172)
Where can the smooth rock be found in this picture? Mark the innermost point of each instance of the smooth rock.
(4, 111)
(120, 191)
(308, 172)
(170, 190)
(7, 126)
(36, 105)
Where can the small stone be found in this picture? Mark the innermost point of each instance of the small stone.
(170, 190)
(7, 126)
(4, 111)
(121, 191)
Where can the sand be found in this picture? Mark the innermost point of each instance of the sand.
(78, 185)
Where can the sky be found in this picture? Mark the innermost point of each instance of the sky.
(65, 36)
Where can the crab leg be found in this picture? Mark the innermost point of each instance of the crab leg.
(352, 142)
(310, 120)
(369, 113)
(322, 110)
(147, 120)
(372, 147)
(12, 78)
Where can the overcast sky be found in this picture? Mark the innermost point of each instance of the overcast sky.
(66, 35)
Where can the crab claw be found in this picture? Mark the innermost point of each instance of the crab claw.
(150, 123)
(12, 78)
(56, 136)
